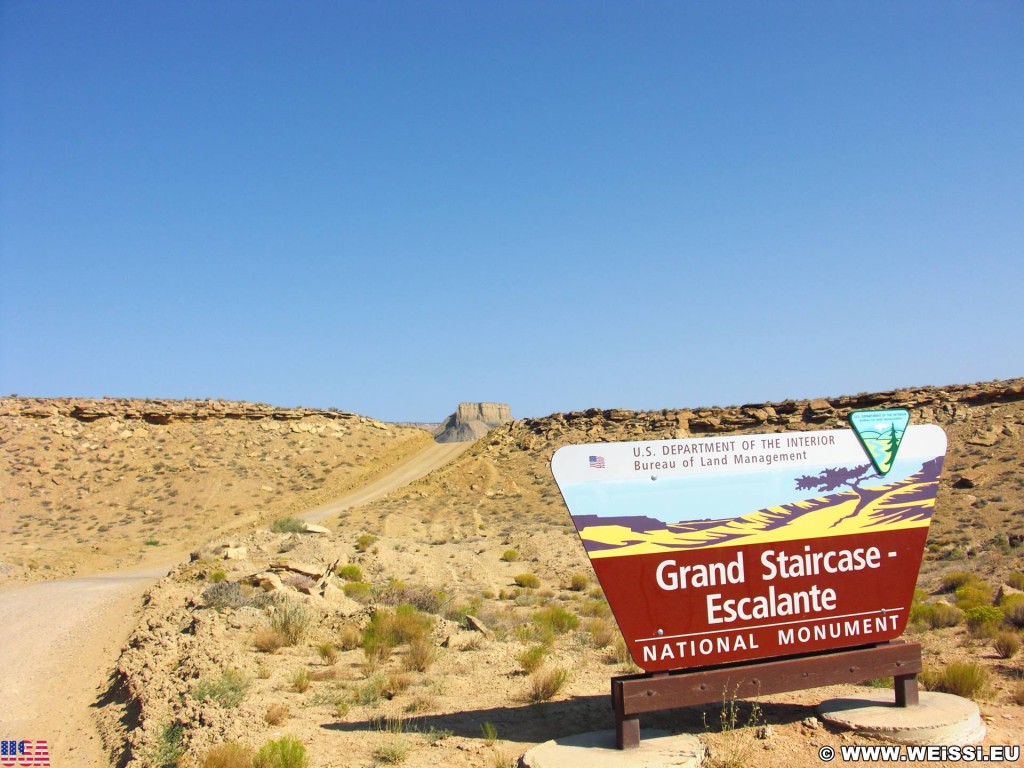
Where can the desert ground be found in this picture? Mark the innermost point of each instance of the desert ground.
(499, 637)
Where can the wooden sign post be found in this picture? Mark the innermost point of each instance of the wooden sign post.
(717, 551)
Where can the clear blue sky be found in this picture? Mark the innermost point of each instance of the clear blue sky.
(389, 207)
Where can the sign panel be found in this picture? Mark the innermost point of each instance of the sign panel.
(733, 548)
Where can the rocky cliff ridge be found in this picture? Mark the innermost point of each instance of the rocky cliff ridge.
(471, 421)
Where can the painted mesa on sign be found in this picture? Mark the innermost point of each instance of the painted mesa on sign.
(713, 551)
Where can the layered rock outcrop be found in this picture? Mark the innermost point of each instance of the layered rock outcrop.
(471, 421)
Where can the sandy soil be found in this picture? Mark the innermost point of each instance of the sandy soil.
(62, 638)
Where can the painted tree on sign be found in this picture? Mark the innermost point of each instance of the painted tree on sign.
(832, 479)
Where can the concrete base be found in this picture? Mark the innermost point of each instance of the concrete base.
(597, 750)
(940, 718)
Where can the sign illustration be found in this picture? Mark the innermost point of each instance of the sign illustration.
(734, 548)
(881, 432)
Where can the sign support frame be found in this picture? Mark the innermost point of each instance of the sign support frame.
(633, 695)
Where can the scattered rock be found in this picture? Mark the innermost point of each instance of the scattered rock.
(475, 624)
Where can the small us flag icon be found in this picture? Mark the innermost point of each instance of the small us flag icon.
(597, 462)
(23, 753)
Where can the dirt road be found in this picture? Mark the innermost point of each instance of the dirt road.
(433, 457)
(61, 639)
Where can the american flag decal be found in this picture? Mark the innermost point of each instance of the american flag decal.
(23, 753)
(597, 462)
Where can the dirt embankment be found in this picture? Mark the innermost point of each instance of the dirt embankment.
(90, 486)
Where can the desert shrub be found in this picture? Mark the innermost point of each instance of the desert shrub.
(490, 732)
(228, 689)
(349, 572)
(397, 592)
(973, 595)
(1016, 580)
(421, 654)
(229, 755)
(983, 620)
(935, 615)
(390, 628)
(291, 619)
(168, 748)
(596, 608)
(546, 683)
(224, 594)
(527, 581)
(532, 658)
(392, 753)
(1006, 644)
(398, 682)
(349, 637)
(365, 541)
(286, 752)
(601, 632)
(276, 714)
(579, 582)
(555, 619)
(300, 680)
(371, 691)
(960, 679)
(268, 640)
(288, 525)
(1018, 694)
(217, 576)
(510, 555)
(953, 580)
(1013, 609)
(328, 653)
(358, 590)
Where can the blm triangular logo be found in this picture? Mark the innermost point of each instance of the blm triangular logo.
(881, 432)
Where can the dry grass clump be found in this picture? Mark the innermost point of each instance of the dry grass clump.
(229, 755)
(935, 615)
(388, 629)
(961, 679)
(328, 653)
(420, 656)
(1013, 609)
(510, 555)
(276, 714)
(301, 680)
(953, 580)
(532, 658)
(360, 591)
(228, 689)
(1018, 694)
(1016, 580)
(546, 683)
(555, 620)
(349, 637)
(579, 582)
(288, 525)
(268, 640)
(349, 572)
(365, 541)
(286, 752)
(291, 619)
(1006, 644)
(601, 633)
(527, 581)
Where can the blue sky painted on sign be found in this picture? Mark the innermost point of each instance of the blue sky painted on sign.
(705, 497)
(389, 207)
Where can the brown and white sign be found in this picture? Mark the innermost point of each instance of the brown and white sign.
(734, 548)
